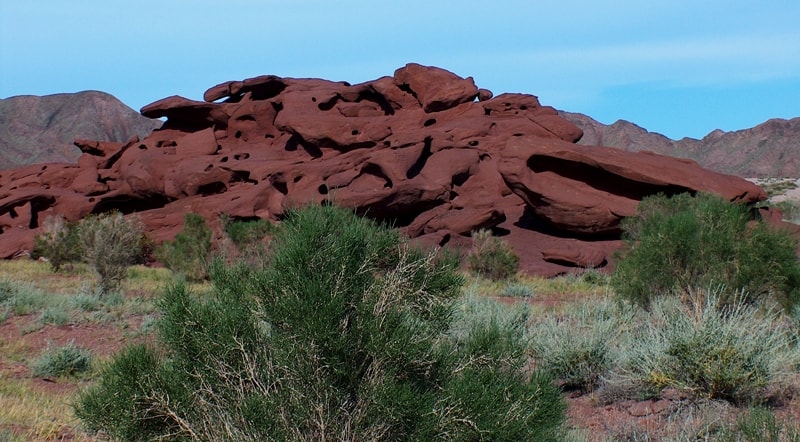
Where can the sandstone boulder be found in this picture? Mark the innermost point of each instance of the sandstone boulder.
(424, 150)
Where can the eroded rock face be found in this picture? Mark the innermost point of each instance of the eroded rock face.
(425, 150)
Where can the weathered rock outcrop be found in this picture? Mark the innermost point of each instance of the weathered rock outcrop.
(425, 150)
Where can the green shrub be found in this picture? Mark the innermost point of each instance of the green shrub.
(492, 257)
(683, 241)
(58, 242)
(61, 361)
(189, 252)
(345, 334)
(56, 315)
(110, 243)
(244, 233)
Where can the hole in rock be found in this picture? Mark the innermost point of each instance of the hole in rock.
(224, 160)
(416, 168)
(247, 117)
(295, 141)
(279, 184)
(142, 147)
(323, 189)
(267, 90)
(487, 111)
(214, 188)
(242, 176)
(209, 167)
(328, 105)
(238, 134)
(39, 204)
(396, 215)
(523, 107)
(354, 132)
(297, 179)
(314, 99)
(128, 204)
(277, 106)
(406, 88)
(429, 122)
(473, 143)
(378, 99)
(460, 178)
(241, 156)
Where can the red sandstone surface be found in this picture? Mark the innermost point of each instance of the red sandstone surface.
(424, 149)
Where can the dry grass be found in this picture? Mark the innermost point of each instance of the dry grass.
(31, 413)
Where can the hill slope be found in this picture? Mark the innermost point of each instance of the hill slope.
(36, 129)
(771, 149)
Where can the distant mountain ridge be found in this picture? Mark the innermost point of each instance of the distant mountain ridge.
(36, 129)
(770, 149)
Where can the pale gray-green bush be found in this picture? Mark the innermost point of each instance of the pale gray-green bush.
(578, 348)
(739, 353)
(110, 242)
(61, 361)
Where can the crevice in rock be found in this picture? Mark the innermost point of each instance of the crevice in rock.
(416, 168)
(127, 204)
(531, 221)
(601, 179)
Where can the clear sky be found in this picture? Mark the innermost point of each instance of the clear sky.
(678, 67)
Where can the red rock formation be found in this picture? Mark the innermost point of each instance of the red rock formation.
(425, 150)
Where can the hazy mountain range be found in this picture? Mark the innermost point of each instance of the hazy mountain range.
(771, 149)
(37, 129)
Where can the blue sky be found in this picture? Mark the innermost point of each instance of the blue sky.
(679, 67)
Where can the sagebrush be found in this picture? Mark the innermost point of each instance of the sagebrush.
(346, 333)
(110, 242)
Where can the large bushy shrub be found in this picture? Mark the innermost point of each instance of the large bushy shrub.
(683, 241)
(110, 243)
(189, 253)
(345, 334)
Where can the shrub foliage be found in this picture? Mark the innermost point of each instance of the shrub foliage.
(58, 242)
(62, 361)
(492, 257)
(189, 252)
(683, 241)
(110, 243)
(345, 334)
